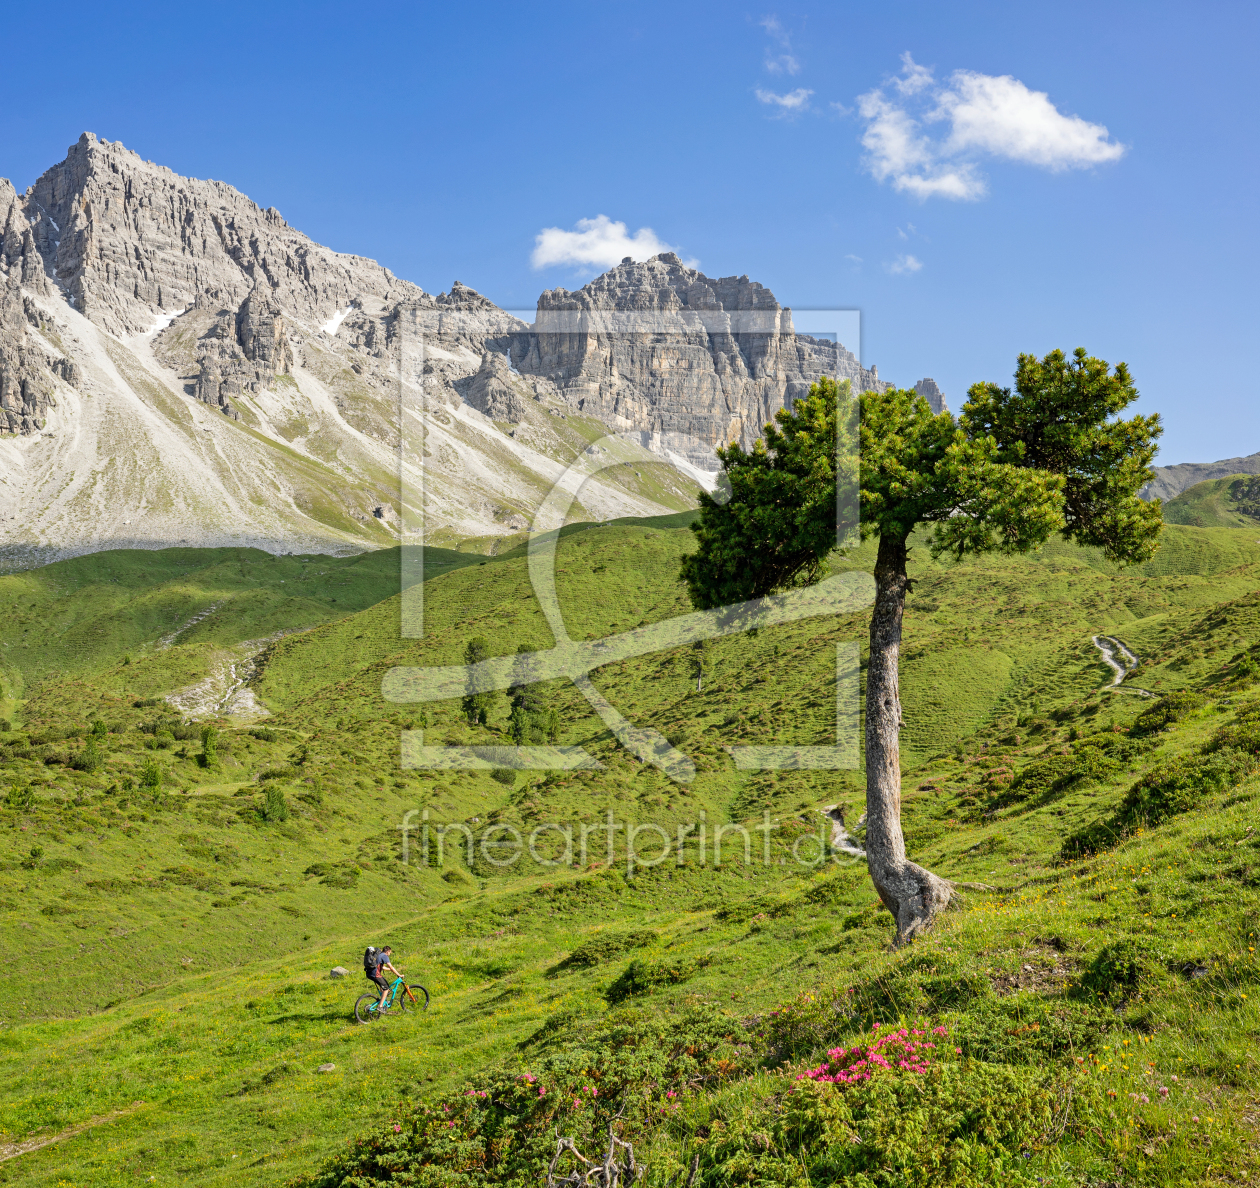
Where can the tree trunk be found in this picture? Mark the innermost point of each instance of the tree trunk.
(912, 894)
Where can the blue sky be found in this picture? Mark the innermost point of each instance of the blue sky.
(966, 217)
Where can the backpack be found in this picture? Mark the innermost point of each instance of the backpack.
(369, 961)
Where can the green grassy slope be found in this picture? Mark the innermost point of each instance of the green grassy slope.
(1209, 504)
(79, 616)
(211, 931)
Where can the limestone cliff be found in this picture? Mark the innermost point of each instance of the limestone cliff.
(179, 365)
(683, 361)
(933, 395)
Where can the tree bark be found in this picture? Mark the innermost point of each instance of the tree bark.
(913, 895)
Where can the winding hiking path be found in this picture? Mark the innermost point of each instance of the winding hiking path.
(840, 837)
(13, 1150)
(1120, 660)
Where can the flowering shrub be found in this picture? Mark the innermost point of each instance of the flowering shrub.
(956, 1124)
(632, 1067)
(901, 1050)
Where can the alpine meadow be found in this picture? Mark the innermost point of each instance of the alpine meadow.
(625, 724)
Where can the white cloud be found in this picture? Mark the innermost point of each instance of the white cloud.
(783, 62)
(904, 264)
(914, 78)
(796, 100)
(986, 114)
(599, 242)
(855, 259)
(1003, 117)
(897, 150)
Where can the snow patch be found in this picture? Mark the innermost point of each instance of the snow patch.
(162, 320)
(333, 324)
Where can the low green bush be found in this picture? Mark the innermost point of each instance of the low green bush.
(1120, 969)
(643, 976)
(275, 807)
(605, 946)
(286, 772)
(1182, 783)
(89, 759)
(1166, 711)
(190, 876)
(341, 876)
(1171, 788)
(501, 1129)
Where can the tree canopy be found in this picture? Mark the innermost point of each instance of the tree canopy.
(1012, 469)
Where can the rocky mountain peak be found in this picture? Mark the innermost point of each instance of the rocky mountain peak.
(127, 241)
(665, 284)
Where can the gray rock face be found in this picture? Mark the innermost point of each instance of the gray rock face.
(933, 395)
(1170, 481)
(126, 239)
(31, 367)
(241, 351)
(142, 289)
(150, 291)
(20, 258)
(718, 359)
(492, 392)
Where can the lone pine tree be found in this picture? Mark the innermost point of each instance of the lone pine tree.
(1013, 468)
(531, 720)
(478, 701)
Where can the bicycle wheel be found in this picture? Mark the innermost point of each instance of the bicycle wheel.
(412, 998)
(365, 1009)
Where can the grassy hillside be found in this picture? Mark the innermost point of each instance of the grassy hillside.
(1217, 503)
(83, 615)
(196, 935)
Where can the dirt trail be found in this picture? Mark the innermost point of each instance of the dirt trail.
(1120, 660)
(840, 837)
(13, 1150)
(167, 640)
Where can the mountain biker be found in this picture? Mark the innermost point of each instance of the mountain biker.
(381, 960)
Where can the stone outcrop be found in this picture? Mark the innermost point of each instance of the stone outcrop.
(20, 257)
(242, 350)
(31, 366)
(683, 361)
(492, 391)
(28, 371)
(26, 385)
(933, 395)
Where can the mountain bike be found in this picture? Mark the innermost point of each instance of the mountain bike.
(400, 996)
